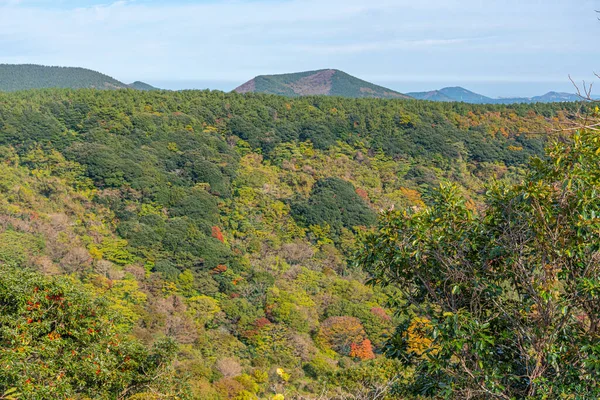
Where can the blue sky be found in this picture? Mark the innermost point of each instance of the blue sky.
(495, 47)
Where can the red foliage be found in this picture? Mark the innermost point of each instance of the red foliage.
(380, 312)
(219, 269)
(340, 333)
(258, 325)
(261, 322)
(364, 350)
(217, 234)
(362, 193)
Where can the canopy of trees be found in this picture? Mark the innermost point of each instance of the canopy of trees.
(223, 223)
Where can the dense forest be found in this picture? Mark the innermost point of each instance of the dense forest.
(202, 245)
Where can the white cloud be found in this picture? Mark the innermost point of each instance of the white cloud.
(375, 46)
(235, 40)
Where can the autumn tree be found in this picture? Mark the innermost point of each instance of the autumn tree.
(342, 333)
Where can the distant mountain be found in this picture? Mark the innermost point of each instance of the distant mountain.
(329, 82)
(461, 94)
(434, 95)
(555, 97)
(452, 94)
(15, 77)
(137, 85)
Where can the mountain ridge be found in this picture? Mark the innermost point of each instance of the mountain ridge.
(15, 77)
(460, 94)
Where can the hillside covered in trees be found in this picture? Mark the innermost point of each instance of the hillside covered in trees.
(14, 77)
(327, 82)
(200, 244)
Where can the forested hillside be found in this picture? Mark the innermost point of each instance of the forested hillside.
(327, 82)
(14, 77)
(199, 244)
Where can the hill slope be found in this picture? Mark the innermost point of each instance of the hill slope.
(14, 77)
(226, 223)
(328, 82)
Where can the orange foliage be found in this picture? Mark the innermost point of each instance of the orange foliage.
(362, 193)
(219, 269)
(340, 333)
(363, 350)
(413, 197)
(262, 321)
(217, 234)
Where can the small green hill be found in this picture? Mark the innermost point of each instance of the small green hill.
(14, 77)
(328, 82)
(137, 85)
(453, 94)
(433, 95)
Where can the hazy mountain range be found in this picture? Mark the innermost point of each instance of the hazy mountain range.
(464, 95)
(332, 82)
(326, 82)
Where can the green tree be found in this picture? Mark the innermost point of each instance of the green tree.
(334, 202)
(512, 293)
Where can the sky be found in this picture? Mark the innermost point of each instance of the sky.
(495, 47)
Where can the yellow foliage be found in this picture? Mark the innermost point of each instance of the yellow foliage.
(210, 129)
(169, 288)
(418, 336)
(172, 147)
(95, 252)
(283, 375)
(404, 197)
(322, 233)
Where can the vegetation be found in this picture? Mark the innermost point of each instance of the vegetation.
(211, 234)
(56, 341)
(500, 303)
(14, 77)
